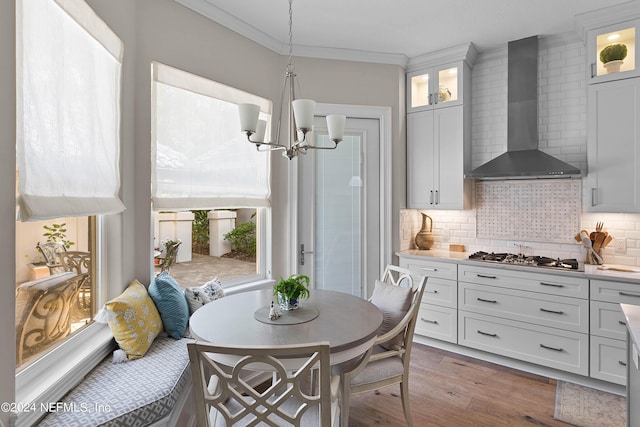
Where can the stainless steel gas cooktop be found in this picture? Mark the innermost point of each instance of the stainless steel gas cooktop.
(528, 261)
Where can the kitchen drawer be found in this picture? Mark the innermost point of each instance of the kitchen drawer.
(571, 314)
(441, 270)
(441, 292)
(438, 322)
(610, 291)
(554, 284)
(609, 360)
(554, 348)
(607, 320)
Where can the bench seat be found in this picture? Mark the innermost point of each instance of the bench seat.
(139, 392)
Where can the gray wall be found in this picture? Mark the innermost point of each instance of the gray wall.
(164, 31)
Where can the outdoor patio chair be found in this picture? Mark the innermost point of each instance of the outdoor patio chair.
(80, 263)
(223, 398)
(43, 312)
(387, 363)
(51, 252)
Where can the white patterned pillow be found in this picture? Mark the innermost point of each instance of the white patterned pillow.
(198, 296)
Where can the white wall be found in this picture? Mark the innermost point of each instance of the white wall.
(7, 204)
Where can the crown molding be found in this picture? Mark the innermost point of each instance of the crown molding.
(239, 26)
(607, 16)
(464, 52)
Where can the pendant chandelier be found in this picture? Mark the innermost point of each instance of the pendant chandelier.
(301, 113)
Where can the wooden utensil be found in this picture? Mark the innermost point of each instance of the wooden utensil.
(616, 267)
(606, 242)
(599, 240)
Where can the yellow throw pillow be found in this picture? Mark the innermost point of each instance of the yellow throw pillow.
(137, 321)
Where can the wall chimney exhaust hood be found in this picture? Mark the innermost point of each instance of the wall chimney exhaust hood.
(523, 160)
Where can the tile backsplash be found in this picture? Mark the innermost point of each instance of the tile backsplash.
(460, 227)
(539, 210)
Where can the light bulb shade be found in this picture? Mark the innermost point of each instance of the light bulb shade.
(303, 111)
(335, 124)
(249, 117)
(259, 135)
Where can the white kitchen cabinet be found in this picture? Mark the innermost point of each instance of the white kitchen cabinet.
(613, 147)
(608, 329)
(530, 316)
(625, 33)
(439, 129)
(438, 153)
(436, 87)
(438, 315)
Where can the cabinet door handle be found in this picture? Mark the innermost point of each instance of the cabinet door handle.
(431, 198)
(594, 196)
(555, 285)
(620, 362)
(492, 301)
(435, 291)
(487, 333)
(433, 322)
(622, 323)
(551, 311)
(428, 269)
(484, 276)
(551, 348)
(437, 197)
(593, 70)
(436, 98)
(430, 98)
(628, 294)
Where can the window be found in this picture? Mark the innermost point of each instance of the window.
(208, 182)
(68, 126)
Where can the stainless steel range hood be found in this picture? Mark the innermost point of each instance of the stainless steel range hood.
(523, 160)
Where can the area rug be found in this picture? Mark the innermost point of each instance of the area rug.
(588, 407)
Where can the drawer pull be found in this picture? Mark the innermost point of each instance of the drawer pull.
(551, 311)
(555, 285)
(622, 323)
(487, 333)
(434, 322)
(628, 294)
(435, 291)
(551, 348)
(484, 276)
(428, 269)
(620, 362)
(492, 301)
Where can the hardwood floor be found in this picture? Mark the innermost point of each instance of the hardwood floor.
(451, 390)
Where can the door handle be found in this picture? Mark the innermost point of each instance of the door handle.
(431, 198)
(437, 197)
(302, 252)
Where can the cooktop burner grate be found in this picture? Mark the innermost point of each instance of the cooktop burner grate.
(531, 261)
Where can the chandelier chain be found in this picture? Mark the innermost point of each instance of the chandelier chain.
(290, 31)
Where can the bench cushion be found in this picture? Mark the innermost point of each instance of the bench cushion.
(138, 393)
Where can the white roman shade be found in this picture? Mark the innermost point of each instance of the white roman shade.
(68, 91)
(200, 159)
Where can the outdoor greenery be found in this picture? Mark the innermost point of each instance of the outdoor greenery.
(200, 229)
(293, 287)
(613, 52)
(57, 233)
(243, 238)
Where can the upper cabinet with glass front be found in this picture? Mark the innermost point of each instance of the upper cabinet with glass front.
(439, 79)
(612, 52)
(435, 87)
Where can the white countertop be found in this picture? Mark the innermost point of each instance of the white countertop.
(590, 271)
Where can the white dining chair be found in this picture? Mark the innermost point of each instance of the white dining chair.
(398, 295)
(223, 398)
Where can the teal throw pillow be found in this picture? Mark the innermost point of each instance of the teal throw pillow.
(170, 301)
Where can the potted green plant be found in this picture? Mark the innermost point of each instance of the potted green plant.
(291, 290)
(612, 56)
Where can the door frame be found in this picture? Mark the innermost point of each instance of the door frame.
(383, 115)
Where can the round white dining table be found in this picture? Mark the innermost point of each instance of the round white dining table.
(349, 323)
